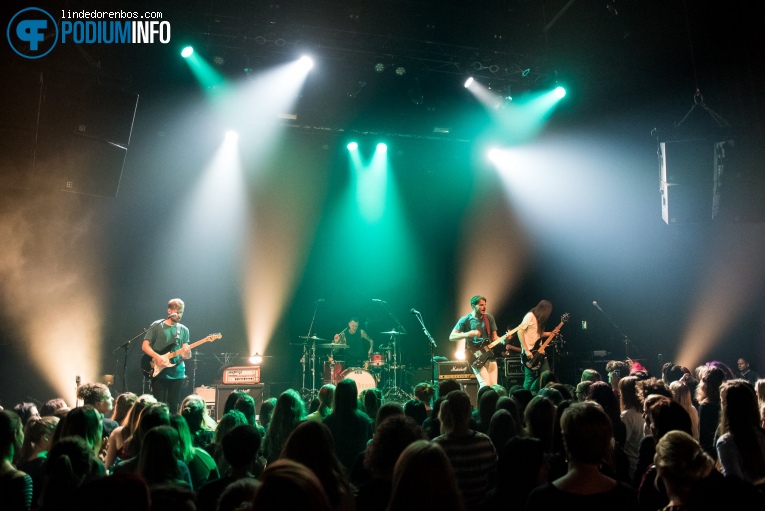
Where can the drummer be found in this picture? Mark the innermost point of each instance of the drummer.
(359, 344)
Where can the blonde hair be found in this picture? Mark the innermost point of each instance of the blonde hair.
(681, 393)
(681, 460)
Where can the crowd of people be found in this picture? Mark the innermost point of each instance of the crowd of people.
(682, 440)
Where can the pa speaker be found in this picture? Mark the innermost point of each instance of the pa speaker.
(687, 181)
(223, 391)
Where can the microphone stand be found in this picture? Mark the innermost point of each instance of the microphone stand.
(126, 346)
(433, 346)
(312, 362)
(626, 340)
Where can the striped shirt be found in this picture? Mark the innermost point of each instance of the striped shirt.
(474, 460)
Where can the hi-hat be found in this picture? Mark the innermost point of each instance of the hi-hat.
(333, 346)
(313, 338)
(393, 332)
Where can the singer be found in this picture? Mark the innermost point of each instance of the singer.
(163, 336)
(359, 344)
(475, 328)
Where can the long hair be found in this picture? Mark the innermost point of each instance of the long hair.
(287, 484)
(122, 406)
(423, 478)
(288, 412)
(84, 422)
(681, 393)
(740, 417)
(160, 451)
(130, 424)
(346, 397)
(311, 444)
(185, 444)
(542, 312)
(35, 433)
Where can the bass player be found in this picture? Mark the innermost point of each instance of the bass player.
(474, 328)
(166, 335)
(532, 330)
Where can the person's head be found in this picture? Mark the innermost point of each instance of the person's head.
(602, 393)
(241, 446)
(26, 411)
(665, 415)
(587, 433)
(185, 442)
(425, 392)
(175, 309)
(547, 377)
(289, 407)
(346, 397)
(391, 437)
(672, 373)
(246, 405)
(582, 388)
(193, 409)
(416, 410)
(487, 405)
(122, 406)
(389, 409)
(228, 422)
(70, 463)
(478, 303)
(238, 495)
(287, 484)
(84, 422)
(267, 408)
(232, 398)
(373, 400)
(739, 410)
(743, 365)
(501, 428)
(96, 395)
(680, 461)
(353, 325)
(153, 415)
(540, 420)
(710, 379)
(11, 435)
(591, 375)
(542, 312)
(326, 397)
(38, 436)
(160, 452)
(455, 411)
(681, 393)
(52, 405)
(552, 394)
(446, 385)
(650, 386)
(423, 478)
(628, 395)
(521, 477)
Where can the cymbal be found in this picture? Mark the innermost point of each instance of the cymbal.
(393, 332)
(385, 348)
(333, 346)
(313, 338)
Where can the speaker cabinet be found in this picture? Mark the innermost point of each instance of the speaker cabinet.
(471, 388)
(222, 392)
(687, 181)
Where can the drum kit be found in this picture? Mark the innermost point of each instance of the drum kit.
(381, 367)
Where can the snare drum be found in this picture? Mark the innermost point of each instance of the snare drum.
(331, 376)
(363, 379)
(376, 360)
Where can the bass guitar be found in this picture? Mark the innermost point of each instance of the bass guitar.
(151, 369)
(534, 361)
(481, 349)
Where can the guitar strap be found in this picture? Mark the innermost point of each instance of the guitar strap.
(488, 328)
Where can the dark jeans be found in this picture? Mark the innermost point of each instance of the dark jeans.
(168, 391)
(531, 378)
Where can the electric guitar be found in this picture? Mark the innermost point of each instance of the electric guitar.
(152, 370)
(481, 352)
(535, 360)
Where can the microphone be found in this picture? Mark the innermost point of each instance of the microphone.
(172, 315)
(596, 305)
(414, 311)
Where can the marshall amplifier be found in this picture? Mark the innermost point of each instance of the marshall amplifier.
(455, 370)
(241, 375)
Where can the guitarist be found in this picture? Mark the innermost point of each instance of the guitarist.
(475, 327)
(530, 333)
(165, 335)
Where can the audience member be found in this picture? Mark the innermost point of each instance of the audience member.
(741, 445)
(288, 413)
(587, 436)
(118, 447)
(540, 421)
(287, 484)
(372, 400)
(632, 417)
(747, 372)
(350, 427)
(99, 397)
(471, 453)
(15, 485)
(201, 465)
(708, 397)
(38, 438)
(53, 406)
(680, 464)
(70, 464)
(326, 397)
(501, 428)
(681, 393)
(201, 426)
(487, 405)
(591, 375)
(228, 422)
(423, 478)
(159, 463)
(122, 406)
(521, 467)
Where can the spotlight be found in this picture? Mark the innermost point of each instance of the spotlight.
(256, 359)
(382, 147)
(459, 355)
(353, 146)
(559, 92)
(493, 154)
(379, 67)
(306, 62)
(469, 82)
(232, 136)
(187, 52)
(526, 72)
(400, 71)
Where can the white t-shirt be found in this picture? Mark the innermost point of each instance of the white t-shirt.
(529, 327)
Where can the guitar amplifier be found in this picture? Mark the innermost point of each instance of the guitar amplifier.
(513, 365)
(455, 370)
(241, 375)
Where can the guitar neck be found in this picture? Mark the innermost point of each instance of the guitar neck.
(191, 346)
(551, 336)
(503, 338)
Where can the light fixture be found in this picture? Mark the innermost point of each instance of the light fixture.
(187, 52)
(379, 67)
(400, 71)
(468, 82)
(256, 359)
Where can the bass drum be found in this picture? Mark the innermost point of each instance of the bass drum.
(363, 379)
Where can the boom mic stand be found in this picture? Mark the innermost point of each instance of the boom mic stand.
(626, 340)
(433, 346)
